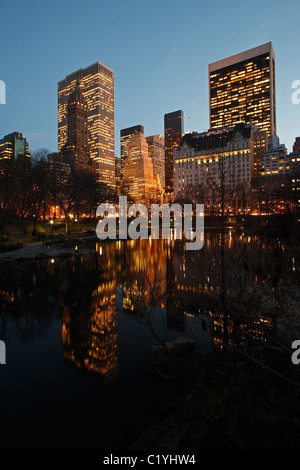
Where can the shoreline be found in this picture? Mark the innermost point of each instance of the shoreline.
(48, 249)
(63, 245)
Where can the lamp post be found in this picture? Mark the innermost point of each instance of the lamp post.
(51, 226)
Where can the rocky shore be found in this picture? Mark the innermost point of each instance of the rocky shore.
(51, 248)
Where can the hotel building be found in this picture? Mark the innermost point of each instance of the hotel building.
(203, 161)
(97, 83)
(242, 89)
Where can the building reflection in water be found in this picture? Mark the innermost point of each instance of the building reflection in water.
(89, 316)
(127, 278)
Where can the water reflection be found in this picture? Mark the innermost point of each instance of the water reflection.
(156, 283)
(89, 318)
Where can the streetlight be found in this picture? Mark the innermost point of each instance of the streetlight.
(51, 226)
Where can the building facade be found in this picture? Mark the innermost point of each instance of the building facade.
(141, 183)
(242, 89)
(275, 160)
(174, 128)
(76, 151)
(13, 148)
(156, 148)
(125, 135)
(97, 83)
(58, 167)
(14, 155)
(296, 146)
(206, 162)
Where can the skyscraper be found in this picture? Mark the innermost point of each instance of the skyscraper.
(14, 148)
(173, 134)
(76, 151)
(142, 183)
(156, 149)
(97, 83)
(125, 135)
(242, 88)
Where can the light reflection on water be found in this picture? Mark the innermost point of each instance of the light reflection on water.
(89, 315)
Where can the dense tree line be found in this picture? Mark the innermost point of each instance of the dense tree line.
(36, 190)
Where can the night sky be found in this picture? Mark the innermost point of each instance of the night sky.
(159, 51)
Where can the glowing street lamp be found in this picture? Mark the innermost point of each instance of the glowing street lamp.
(51, 226)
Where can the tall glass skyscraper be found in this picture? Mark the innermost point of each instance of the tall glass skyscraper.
(97, 85)
(242, 88)
(13, 148)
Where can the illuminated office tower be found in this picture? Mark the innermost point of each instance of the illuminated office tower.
(242, 88)
(125, 135)
(142, 184)
(174, 129)
(76, 151)
(156, 148)
(97, 83)
(14, 149)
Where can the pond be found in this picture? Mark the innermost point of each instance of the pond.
(79, 331)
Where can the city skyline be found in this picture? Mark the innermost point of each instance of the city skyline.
(143, 93)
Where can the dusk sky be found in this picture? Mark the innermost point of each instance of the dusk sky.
(159, 51)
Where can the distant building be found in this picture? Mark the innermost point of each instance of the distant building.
(174, 128)
(294, 162)
(277, 189)
(204, 161)
(296, 146)
(294, 180)
(61, 169)
(275, 160)
(125, 135)
(242, 89)
(14, 148)
(156, 148)
(260, 148)
(141, 183)
(97, 83)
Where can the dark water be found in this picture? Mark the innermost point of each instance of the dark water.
(79, 330)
